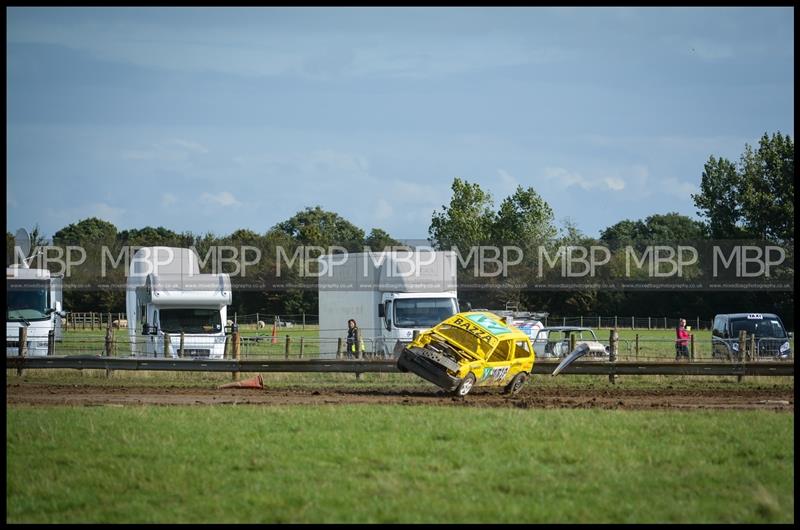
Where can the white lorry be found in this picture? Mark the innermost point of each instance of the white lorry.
(167, 295)
(389, 295)
(33, 300)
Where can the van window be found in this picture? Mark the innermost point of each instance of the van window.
(502, 352)
(767, 327)
(719, 327)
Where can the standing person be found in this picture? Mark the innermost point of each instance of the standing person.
(353, 337)
(681, 349)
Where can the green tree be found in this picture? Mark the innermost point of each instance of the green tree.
(378, 239)
(754, 199)
(718, 200)
(315, 226)
(524, 218)
(155, 236)
(467, 221)
(767, 188)
(91, 230)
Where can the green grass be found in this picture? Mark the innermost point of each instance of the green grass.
(396, 464)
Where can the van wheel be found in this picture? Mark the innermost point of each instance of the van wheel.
(466, 385)
(516, 384)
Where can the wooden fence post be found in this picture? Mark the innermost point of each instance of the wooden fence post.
(572, 340)
(109, 345)
(691, 345)
(235, 344)
(167, 345)
(288, 346)
(637, 345)
(301, 347)
(359, 353)
(648, 323)
(22, 348)
(742, 346)
(304, 320)
(339, 348)
(613, 342)
(180, 351)
(752, 353)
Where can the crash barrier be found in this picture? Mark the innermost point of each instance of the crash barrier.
(546, 367)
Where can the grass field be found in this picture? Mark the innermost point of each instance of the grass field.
(396, 464)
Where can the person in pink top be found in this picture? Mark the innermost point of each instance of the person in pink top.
(682, 341)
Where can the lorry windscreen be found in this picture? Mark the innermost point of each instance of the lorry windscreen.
(768, 327)
(422, 312)
(190, 320)
(27, 300)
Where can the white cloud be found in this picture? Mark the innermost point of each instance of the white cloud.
(563, 178)
(224, 198)
(101, 210)
(507, 182)
(173, 150)
(383, 210)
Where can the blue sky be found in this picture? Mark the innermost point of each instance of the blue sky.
(214, 119)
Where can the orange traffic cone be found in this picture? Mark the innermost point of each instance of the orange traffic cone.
(253, 382)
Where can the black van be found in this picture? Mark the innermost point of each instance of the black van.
(771, 339)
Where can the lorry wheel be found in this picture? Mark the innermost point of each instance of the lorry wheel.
(466, 385)
(401, 367)
(516, 384)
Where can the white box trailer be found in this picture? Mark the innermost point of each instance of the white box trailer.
(167, 295)
(389, 295)
(33, 300)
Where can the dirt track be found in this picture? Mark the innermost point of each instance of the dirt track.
(529, 398)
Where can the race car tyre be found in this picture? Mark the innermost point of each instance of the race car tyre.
(466, 385)
(516, 384)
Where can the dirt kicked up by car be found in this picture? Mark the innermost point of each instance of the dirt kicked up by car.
(470, 349)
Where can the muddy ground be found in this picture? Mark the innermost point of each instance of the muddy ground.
(529, 398)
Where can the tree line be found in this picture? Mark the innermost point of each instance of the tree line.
(752, 198)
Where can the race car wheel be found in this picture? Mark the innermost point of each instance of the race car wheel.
(516, 384)
(466, 385)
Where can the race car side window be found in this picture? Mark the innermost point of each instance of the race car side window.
(521, 350)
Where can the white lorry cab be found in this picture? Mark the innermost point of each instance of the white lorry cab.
(168, 297)
(33, 301)
(390, 295)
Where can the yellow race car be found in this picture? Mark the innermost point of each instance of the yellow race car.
(470, 349)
